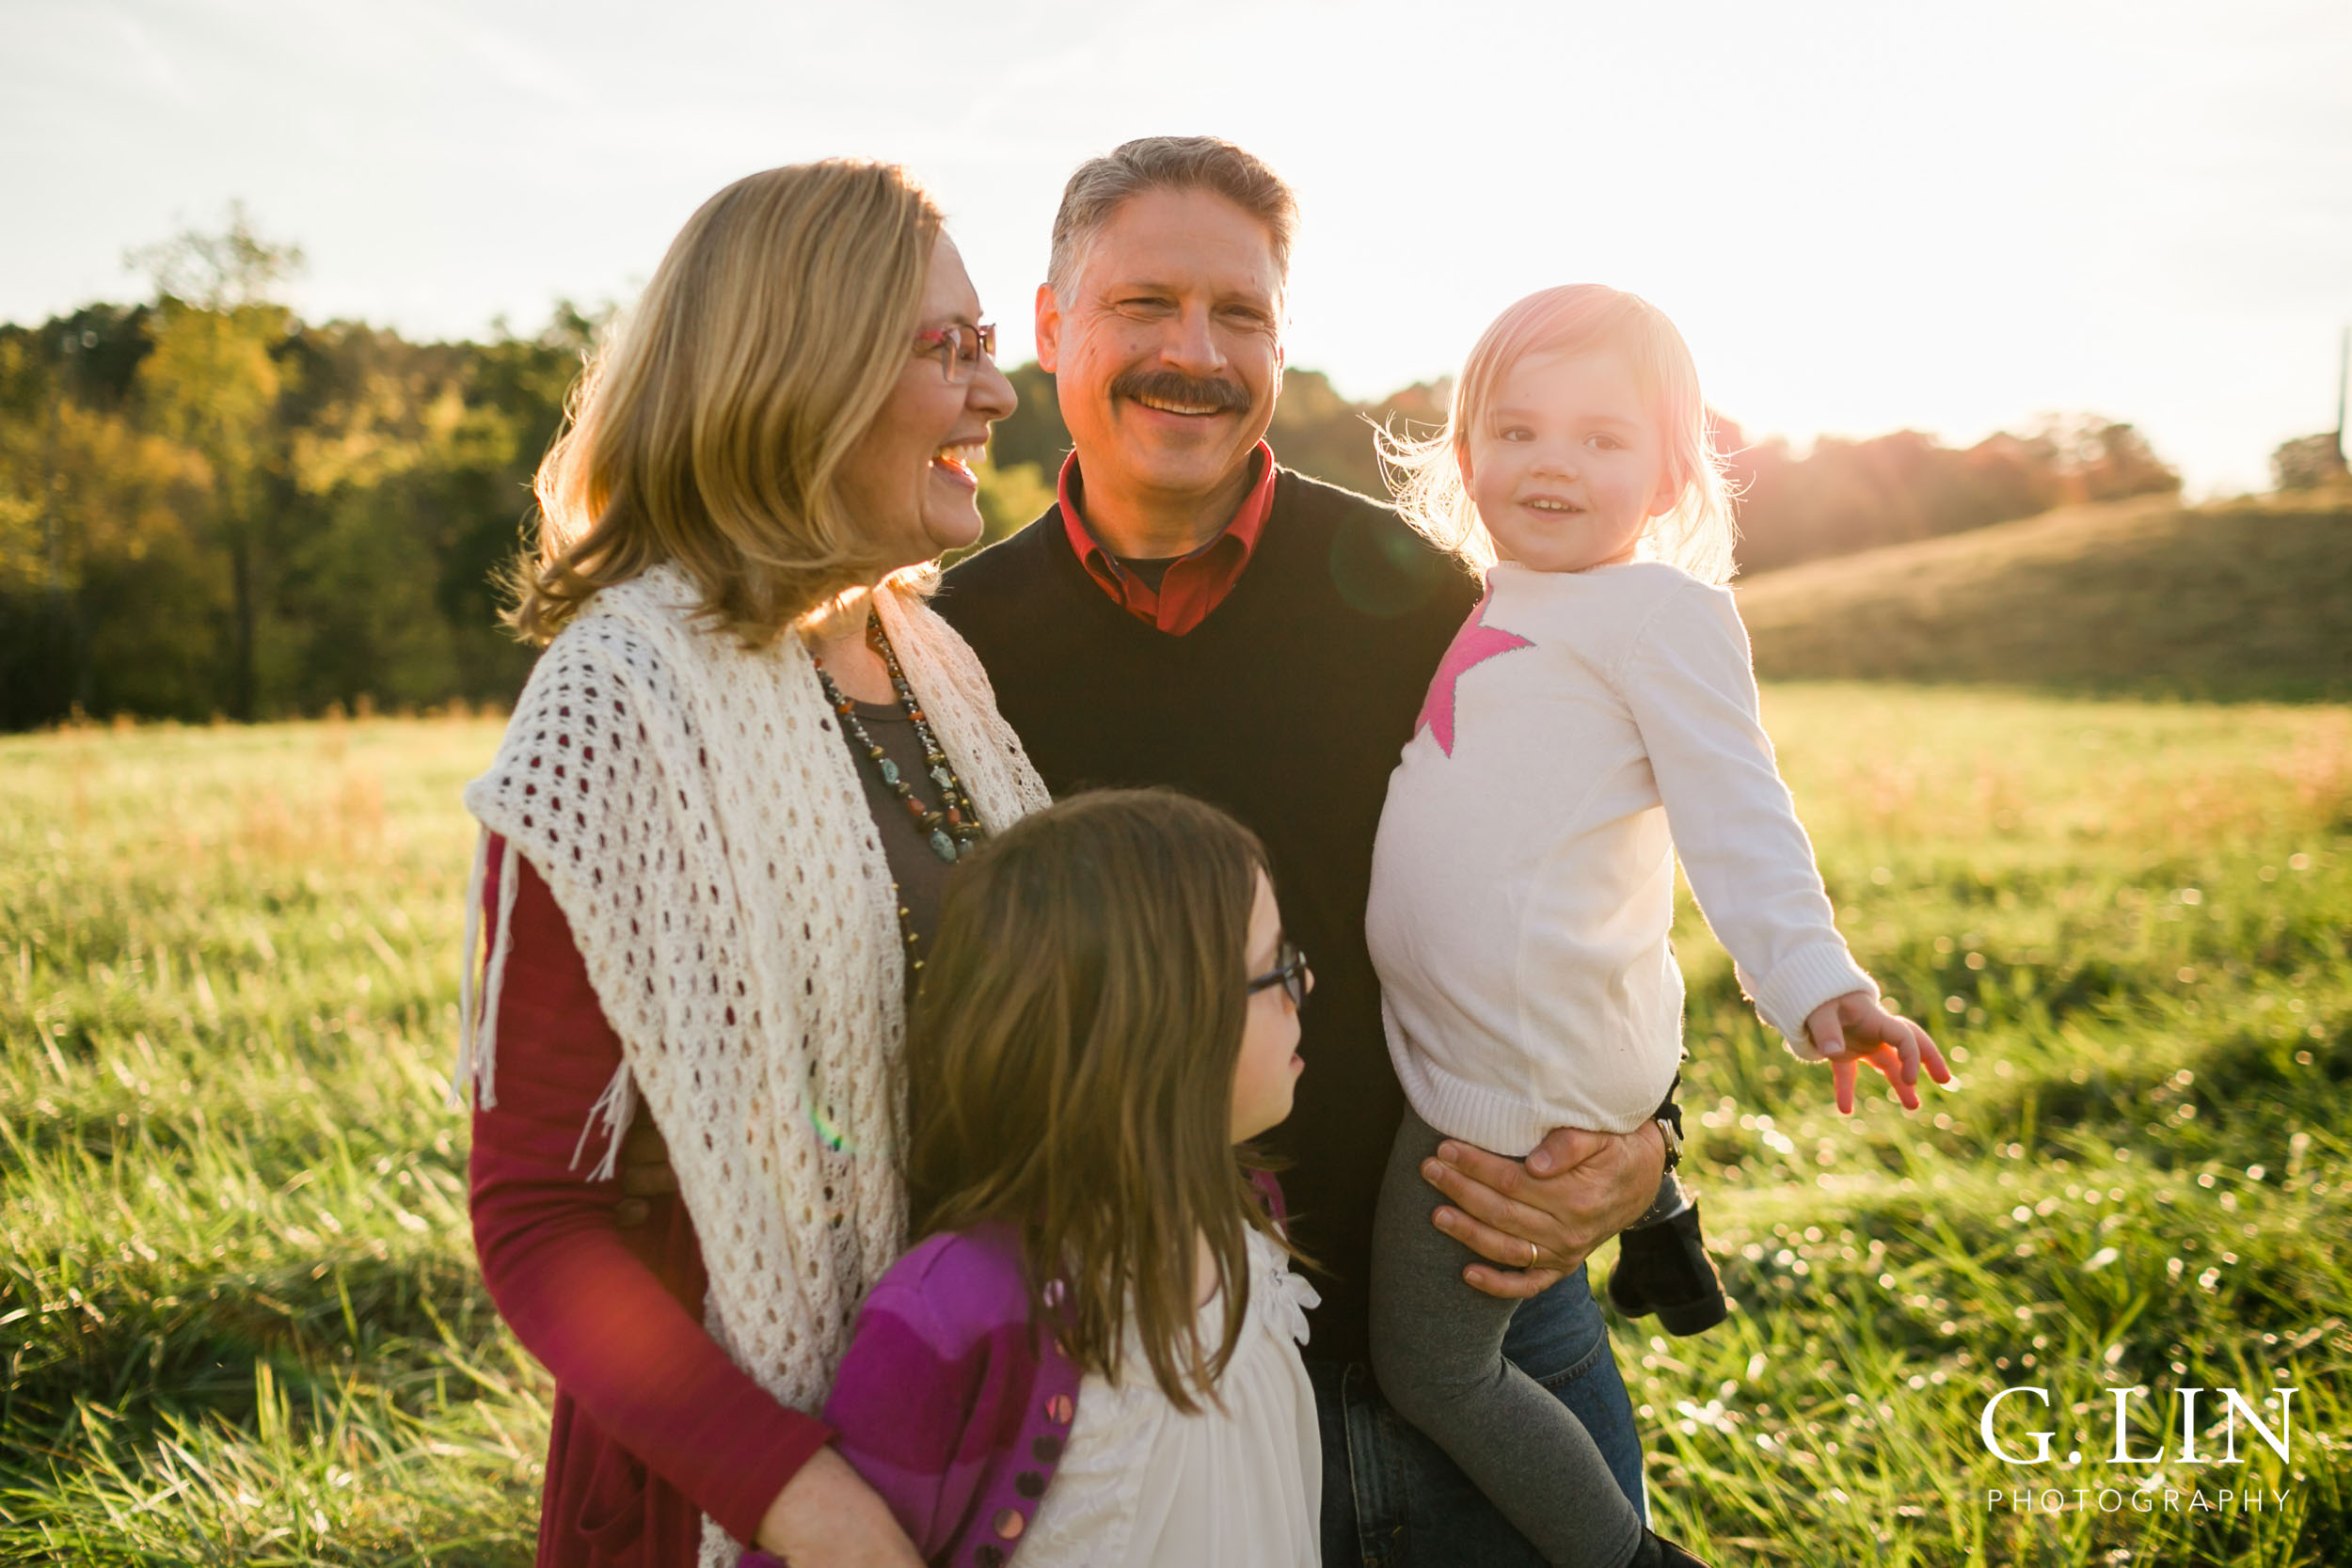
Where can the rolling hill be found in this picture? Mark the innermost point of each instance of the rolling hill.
(2249, 599)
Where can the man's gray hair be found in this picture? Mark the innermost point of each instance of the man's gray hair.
(1103, 185)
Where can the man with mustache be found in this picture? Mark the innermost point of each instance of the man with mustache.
(1192, 615)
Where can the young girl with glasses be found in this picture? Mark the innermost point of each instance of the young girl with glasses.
(1595, 717)
(1091, 1353)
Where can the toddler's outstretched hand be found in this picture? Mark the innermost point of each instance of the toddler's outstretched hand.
(1853, 1029)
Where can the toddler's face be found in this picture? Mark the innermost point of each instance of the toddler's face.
(1270, 1064)
(1568, 467)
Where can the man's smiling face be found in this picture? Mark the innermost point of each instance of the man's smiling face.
(1168, 355)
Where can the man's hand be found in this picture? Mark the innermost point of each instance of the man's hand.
(1537, 1218)
(827, 1518)
(645, 1171)
(1853, 1029)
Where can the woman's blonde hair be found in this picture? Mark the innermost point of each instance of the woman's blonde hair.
(1576, 318)
(710, 427)
(1069, 1070)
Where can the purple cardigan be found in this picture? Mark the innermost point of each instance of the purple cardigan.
(949, 1405)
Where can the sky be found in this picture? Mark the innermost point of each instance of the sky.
(1864, 217)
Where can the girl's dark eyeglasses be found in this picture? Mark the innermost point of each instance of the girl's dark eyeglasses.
(1289, 973)
(959, 349)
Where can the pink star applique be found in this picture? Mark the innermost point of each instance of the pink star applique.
(1475, 643)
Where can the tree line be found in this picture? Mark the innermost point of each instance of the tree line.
(1839, 497)
(211, 507)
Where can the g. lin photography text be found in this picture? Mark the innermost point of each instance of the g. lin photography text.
(2157, 1491)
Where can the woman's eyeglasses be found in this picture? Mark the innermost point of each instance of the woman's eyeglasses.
(1289, 973)
(959, 349)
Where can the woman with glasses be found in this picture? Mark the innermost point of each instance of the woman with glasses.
(714, 842)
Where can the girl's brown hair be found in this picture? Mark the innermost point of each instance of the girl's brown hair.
(709, 428)
(1071, 1065)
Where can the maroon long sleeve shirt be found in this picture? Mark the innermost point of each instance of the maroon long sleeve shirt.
(653, 1425)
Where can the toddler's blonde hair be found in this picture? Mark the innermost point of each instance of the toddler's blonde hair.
(1576, 318)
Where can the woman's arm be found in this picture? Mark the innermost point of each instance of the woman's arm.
(898, 1489)
(827, 1516)
(584, 1300)
(903, 1403)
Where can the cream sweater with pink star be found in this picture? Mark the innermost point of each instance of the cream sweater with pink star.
(1584, 728)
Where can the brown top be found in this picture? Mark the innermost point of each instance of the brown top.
(921, 875)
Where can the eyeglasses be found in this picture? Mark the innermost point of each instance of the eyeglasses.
(959, 349)
(1289, 973)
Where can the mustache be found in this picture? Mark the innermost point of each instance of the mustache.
(1165, 386)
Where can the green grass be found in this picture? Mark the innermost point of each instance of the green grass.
(244, 1323)
(2127, 924)
(2246, 599)
(244, 1320)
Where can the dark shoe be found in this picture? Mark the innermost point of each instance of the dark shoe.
(1664, 1267)
(1656, 1551)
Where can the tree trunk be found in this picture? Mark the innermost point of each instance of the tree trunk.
(242, 677)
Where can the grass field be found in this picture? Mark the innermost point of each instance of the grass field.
(244, 1324)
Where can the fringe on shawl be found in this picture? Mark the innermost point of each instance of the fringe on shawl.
(477, 1038)
(962, 705)
(615, 1106)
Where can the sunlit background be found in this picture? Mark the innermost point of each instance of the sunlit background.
(2073, 749)
(1865, 217)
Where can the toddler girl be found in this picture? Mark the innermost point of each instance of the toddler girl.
(1595, 717)
(1092, 1354)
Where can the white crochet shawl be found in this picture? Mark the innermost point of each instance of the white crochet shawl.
(693, 810)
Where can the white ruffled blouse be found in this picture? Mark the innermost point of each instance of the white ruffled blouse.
(1142, 1486)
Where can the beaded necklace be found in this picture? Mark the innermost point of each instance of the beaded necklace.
(955, 827)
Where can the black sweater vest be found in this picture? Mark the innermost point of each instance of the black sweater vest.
(1287, 706)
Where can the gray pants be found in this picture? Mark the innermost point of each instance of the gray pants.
(1437, 1348)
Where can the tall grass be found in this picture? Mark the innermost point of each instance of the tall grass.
(244, 1323)
(2127, 925)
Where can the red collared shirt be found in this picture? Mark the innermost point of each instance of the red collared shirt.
(1196, 583)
